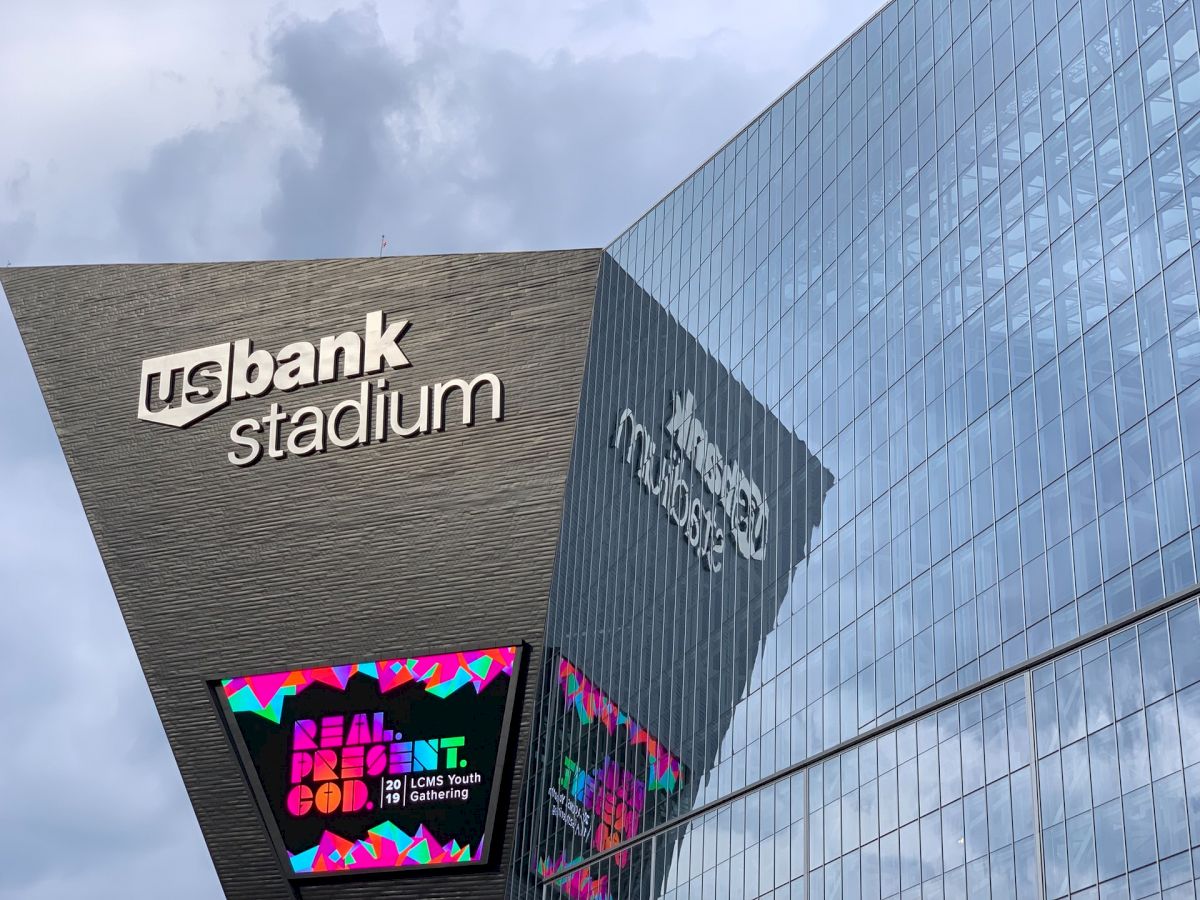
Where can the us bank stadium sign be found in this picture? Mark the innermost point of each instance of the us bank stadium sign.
(734, 509)
(180, 389)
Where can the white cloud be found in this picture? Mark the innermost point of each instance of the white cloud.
(92, 799)
(148, 130)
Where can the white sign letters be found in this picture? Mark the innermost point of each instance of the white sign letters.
(180, 389)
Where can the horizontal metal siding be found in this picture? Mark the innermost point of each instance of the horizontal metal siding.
(441, 540)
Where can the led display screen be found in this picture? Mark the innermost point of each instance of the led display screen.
(611, 772)
(392, 764)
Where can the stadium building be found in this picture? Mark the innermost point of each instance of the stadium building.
(832, 533)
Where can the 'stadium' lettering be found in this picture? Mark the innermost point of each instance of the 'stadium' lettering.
(374, 415)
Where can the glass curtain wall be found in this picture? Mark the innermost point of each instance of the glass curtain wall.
(920, 350)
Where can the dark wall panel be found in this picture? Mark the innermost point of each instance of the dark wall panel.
(439, 541)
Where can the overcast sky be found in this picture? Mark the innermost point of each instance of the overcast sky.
(153, 131)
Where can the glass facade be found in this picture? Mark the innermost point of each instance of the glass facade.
(885, 495)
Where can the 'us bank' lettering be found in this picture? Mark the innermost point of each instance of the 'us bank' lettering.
(181, 388)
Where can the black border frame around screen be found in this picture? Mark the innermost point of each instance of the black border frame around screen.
(250, 773)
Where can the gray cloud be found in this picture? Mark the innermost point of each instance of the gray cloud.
(609, 14)
(16, 236)
(90, 791)
(347, 87)
(186, 202)
(27, 434)
(349, 131)
(445, 147)
(16, 224)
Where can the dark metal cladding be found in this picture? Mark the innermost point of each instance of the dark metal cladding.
(689, 507)
(438, 541)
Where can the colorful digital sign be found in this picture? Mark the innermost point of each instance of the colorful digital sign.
(614, 769)
(392, 764)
